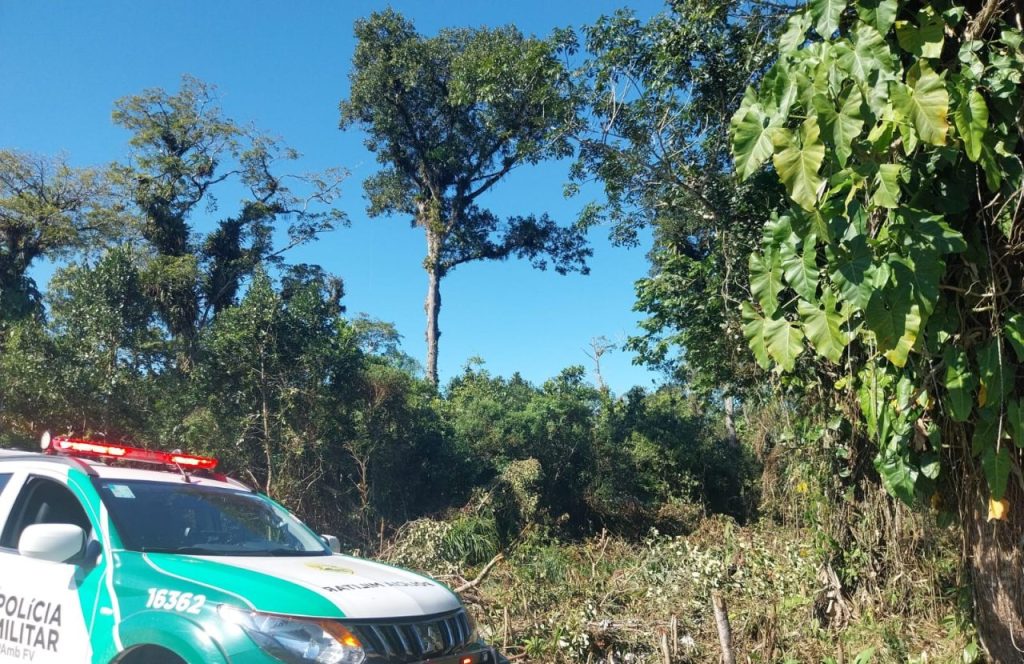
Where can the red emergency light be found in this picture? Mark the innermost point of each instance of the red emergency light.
(105, 450)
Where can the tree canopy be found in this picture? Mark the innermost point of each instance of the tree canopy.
(183, 149)
(47, 209)
(661, 93)
(449, 117)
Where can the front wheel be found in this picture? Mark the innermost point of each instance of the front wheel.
(149, 655)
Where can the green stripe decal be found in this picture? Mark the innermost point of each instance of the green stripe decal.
(264, 592)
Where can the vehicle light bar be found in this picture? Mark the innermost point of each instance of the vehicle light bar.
(105, 450)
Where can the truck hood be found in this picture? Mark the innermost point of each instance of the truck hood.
(322, 586)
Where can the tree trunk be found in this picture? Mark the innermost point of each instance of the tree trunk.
(996, 564)
(432, 306)
(730, 423)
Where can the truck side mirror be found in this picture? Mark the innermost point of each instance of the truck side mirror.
(333, 542)
(56, 542)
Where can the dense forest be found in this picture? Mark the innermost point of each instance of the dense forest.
(835, 300)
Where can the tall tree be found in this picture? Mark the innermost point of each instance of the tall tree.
(449, 117)
(47, 209)
(662, 92)
(183, 148)
(896, 128)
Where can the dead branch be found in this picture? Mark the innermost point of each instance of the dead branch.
(982, 19)
(483, 573)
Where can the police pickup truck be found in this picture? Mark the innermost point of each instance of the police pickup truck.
(105, 562)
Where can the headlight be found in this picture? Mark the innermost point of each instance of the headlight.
(297, 640)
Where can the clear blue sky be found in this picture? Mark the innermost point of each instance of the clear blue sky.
(284, 67)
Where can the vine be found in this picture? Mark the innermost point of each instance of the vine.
(896, 130)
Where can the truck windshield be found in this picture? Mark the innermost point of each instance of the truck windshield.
(166, 517)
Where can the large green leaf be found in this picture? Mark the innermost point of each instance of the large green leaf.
(785, 342)
(766, 278)
(881, 135)
(779, 91)
(996, 465)
(826, 15)
(986, 430)
(801, 268)
(852, 270)
(771, 339)
(1005, 221)
(796, 32)
(887, 186)
(971, 120)
(879, 13)
(925, 102)
(778, 231)
(842, 126)
(929, 232)
(849, 124)
(799, 161)
(753, 330)
(823, 326)
(991, 164)
(922, 270)
(898, 476)
(1015, 420)
(873, 388)
(997, 373)
(931, 465)
(868, 57)
(925, 39)
(961, 383)
(1014, 329)
(751, 138)
(895, 319)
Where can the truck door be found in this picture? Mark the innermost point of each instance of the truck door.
(44, 605)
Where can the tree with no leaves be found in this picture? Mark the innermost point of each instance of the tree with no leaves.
(449, 117)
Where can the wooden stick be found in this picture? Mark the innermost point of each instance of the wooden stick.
(724, 631)
(480, 577)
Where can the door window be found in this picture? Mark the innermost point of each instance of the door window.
(43, 500)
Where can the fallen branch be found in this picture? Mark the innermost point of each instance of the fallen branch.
(480, 577)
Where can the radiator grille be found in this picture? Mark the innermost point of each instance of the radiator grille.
(414, 640)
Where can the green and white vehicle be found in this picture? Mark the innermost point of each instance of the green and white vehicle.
(103, 562)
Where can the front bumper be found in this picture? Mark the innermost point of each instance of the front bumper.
(475, 655)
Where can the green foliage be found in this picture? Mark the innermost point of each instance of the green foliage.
(501, 421)
(48, 209)
(661, 93)
(84, 369)
(277, 373)
(566, 454)
(902, 211)
(183, 150)
(517, 498)
(471, 540)
(449, 117)
(798, 157)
